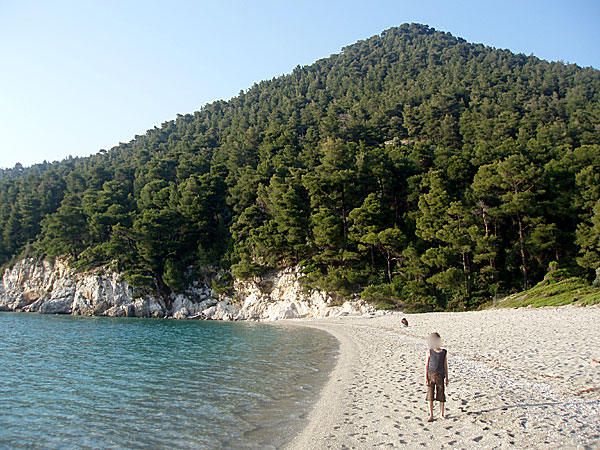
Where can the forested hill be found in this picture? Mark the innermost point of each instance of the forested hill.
(412, 166)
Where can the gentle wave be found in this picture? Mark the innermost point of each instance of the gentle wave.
(78, 383)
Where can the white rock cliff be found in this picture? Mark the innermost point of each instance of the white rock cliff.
(55, 288)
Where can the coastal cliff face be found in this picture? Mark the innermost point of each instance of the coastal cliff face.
(55, 288)
(281, 295)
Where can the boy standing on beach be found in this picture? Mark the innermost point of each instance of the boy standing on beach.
(436, 371)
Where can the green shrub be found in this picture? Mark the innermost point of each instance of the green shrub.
(385, 305)
(138, 280)
(222, 284)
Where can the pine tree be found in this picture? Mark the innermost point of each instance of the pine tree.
(513, 185)
(65, 232)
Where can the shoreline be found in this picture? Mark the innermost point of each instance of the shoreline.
(328, 401)
(518, 378)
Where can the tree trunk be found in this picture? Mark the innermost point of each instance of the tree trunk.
(467, 274)
(344, 213)
(389, 266)
(522, 248)
(396, 209)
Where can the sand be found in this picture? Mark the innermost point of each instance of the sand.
(519, 378)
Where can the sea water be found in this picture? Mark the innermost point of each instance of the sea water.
(122, 383)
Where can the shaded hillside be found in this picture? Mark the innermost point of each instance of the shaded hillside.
(412, 166)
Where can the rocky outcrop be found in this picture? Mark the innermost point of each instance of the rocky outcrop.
(55, 288)
(281, 294)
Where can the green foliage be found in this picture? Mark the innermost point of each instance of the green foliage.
(413, 168)
(138, 280)
(66, 231)
(554, 275)
(222, 284)
(569, 291)
(385, 305)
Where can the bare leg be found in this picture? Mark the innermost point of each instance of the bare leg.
(442, 405)
(430, 411)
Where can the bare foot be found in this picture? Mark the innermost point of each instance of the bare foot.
(431, 419)
(443, 417)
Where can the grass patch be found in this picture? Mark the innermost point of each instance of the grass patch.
(384, 305)
(572, 291)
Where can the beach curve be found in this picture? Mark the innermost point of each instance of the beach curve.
(518, 378)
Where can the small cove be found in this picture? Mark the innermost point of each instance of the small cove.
(98, 382)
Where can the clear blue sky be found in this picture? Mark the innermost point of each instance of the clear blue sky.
(77, 76)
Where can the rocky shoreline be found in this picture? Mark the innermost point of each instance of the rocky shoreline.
(53, 287)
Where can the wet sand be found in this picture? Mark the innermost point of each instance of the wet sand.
(519, 378)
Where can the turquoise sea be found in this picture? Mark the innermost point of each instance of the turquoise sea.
(110, 383)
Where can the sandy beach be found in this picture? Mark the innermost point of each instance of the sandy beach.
(519, 378)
